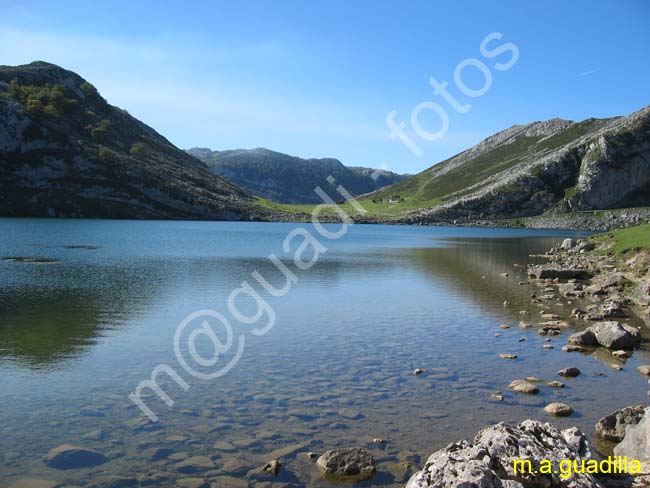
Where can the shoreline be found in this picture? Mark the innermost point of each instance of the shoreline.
(595, 221)
(618, 287)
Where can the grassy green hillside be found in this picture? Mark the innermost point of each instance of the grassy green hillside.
(457, 175)
(625, 240)
(430, 187)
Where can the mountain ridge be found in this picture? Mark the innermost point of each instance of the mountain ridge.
(526, 170)
(65, 151)
(289, 179)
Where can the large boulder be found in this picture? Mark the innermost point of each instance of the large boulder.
(636, 443)
(568, 244)
(488, 461)
(612, 427)
(551, 272)
(613, 335)
(347, 464)
(67, 456)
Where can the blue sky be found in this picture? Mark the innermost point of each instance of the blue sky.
(318, 79)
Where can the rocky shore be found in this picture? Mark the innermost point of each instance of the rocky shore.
(613, 288)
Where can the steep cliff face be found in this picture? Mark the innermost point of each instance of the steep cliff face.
(615, 170)
(64, 151)
(556, 165)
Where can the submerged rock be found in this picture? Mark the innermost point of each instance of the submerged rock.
(644, 369)
(612, 427)
(347, 464)
(488, 461)
(272, 467)
(192, 483)
(67, 456)
(112, 482)
(570, 372)
(34, 483)
(523, 386)
(507, 355)
(558, 409)
(195, 464)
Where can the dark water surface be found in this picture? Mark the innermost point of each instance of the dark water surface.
(77, 335)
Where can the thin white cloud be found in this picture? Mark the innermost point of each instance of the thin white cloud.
(587, 73)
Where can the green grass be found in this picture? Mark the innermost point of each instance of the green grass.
(426, 189)
(378, 209)
(625, 240)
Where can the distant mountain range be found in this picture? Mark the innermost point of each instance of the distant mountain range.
(289, 179)
(64, 151)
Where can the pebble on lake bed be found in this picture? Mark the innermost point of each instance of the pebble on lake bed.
(272, 467)
(523, 386)
(558, 409)
(347, 464)
(570, 372)
(644, 369)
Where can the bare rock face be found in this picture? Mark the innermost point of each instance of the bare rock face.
(589, 165)
(641, 294)
(612, 427)
(67, 456)
(488, 461)
(348, 464)
(636, 443)
(616, 164)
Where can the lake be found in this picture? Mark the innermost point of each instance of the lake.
(96, 309)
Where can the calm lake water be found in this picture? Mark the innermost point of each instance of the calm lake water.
(78, 334)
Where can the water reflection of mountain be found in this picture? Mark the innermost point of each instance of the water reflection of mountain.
(473, 269)
(49, 317)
